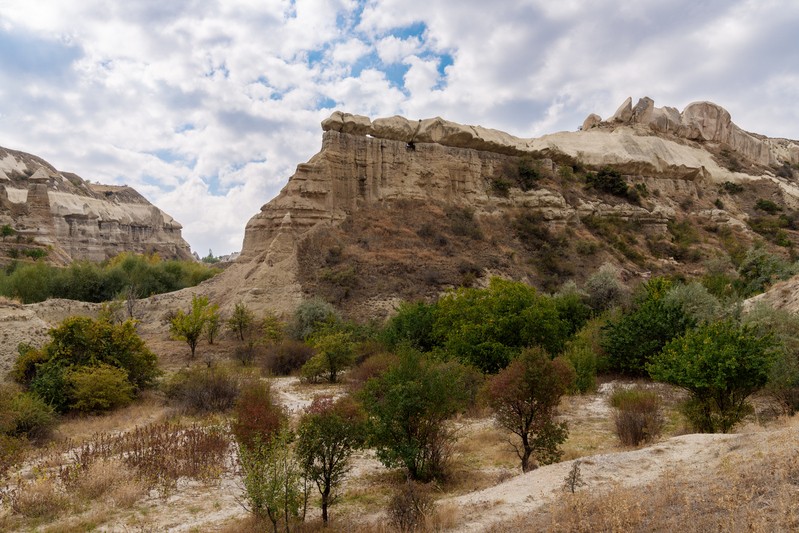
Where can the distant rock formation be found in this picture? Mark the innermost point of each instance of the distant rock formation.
(73, 219)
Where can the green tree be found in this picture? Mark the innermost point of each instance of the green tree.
(272, 479)
(411, 325)
(271, 328)
(720, 364)
(328, 434)
(524, 397)
(213, 322)
(635, 337)
(488, 327)
(241, 320)
(335, 351)
(190, 326)
(408, 408)
(98, 388)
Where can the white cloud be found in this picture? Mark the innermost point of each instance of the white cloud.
(207, 107)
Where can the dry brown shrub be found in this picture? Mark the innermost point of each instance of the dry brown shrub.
(159, 454)
(637, 415)
(40, 499)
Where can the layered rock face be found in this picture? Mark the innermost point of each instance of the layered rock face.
(75, 219)
(367, 167)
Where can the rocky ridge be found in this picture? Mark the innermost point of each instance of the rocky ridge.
(71, 219)
(398, 173)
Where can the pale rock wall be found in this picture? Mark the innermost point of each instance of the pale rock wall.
(80, 220)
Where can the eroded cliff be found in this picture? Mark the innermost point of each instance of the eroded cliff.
(68, 218)
(394, 208)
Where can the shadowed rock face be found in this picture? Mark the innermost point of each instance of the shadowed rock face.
(80, 220)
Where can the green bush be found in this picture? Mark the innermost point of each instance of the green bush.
(768, 206)
(720, 365)
(79, 343)
(609, 180)
(310, 316)
(98, 388)
(411, 325)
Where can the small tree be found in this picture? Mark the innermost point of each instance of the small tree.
(241, 320)
(329, 433)
(189, 326)
(272, 328)
(408, 408)
(271, 473)
(213, 322)
(335, 351)
(272, 480)
(524, 397)
(720, 365)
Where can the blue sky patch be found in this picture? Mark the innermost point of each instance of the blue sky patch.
(31, 56)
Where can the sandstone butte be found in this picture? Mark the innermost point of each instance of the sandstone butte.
(373, 164)
(73, 219)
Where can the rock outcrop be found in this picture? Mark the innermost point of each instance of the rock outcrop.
(323, 226)
(73, 219)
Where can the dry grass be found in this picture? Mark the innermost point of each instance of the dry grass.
(749, 491)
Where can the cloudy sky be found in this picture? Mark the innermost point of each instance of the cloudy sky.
(206, 106)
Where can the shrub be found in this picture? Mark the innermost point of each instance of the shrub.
(604, 288)
(287, 356)
(204, 390)
(82, 342)
(637, 417)
(720, 365)
(38, 499)
(408, 408)
(610, 181)
(524, 397)
(31, 416)
(759, 269)
(309, 316)
(410, 507)
(767, 205)
(272, 479)
(732, 188)
(257, 417)
(463, 223)
(99, 388)
(372, 367)
(583, 360)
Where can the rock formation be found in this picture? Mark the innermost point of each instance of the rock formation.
(321, 227)
(73, 219)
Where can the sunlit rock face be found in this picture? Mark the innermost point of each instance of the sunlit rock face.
(76, 219)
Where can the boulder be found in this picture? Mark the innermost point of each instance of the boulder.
(590, 121)
(624, 113)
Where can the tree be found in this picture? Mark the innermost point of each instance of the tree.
(635, 337)
(408, 408)
(335, 351)
(328, 434)
(241, 320)
(720, 364)
(213, 322)
(412, 325)
(309, 316)
(272, 479)
(189, 326)
(271, 473)
(486, 328)
(524, 397)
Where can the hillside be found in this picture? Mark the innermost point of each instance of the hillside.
(395, 209)
(60, 216)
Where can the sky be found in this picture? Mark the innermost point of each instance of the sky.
(207, 106)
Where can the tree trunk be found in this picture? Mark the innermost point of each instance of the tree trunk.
(325, 502)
